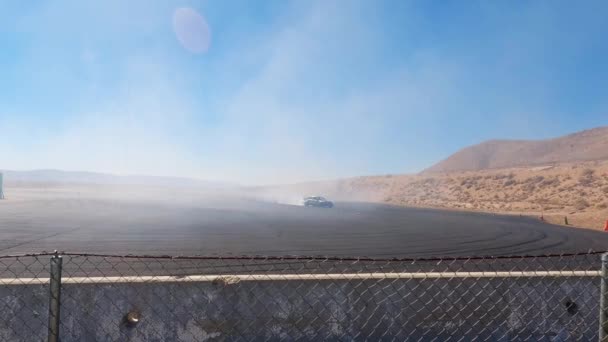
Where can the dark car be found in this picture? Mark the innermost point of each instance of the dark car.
(317, 201)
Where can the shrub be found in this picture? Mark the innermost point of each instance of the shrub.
(603, 205)
(499, 176)
(585, 181)
(581, 204)
(588, 173)
(510, 182)
(586, 178)
(529, 188)
(534, 180)
(550, 182)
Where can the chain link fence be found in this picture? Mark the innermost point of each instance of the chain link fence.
(85, 297)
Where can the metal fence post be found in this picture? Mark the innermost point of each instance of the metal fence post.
(55, 297)
(603, 329)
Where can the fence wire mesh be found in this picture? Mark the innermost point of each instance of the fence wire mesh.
(145, 298)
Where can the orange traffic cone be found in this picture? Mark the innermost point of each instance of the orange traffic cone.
(606, 226)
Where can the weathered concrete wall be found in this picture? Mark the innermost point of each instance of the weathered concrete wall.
(557, 309)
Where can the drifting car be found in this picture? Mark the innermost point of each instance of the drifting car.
(317, 201)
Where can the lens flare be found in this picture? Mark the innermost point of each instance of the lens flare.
(191, 30)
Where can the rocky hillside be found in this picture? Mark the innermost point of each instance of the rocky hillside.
(578, 191)
(582, 146)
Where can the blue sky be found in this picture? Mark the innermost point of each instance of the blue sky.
(291, 90)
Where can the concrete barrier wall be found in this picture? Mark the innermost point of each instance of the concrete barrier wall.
(501, 309)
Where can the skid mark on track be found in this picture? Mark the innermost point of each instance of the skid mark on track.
(38, 239)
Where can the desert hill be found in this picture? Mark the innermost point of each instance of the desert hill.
(57, 177)
(588, 145)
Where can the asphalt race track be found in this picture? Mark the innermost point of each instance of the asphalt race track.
(258, 228)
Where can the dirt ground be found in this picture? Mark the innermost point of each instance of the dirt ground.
(576, 192)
